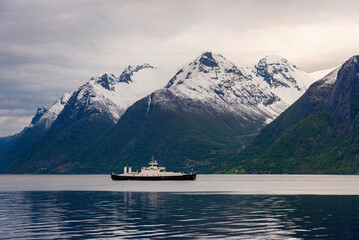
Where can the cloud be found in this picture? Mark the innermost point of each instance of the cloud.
(48, 48)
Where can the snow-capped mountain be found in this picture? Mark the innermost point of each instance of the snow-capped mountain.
(208, 110)
(114, 94)
(104, 94)
(264, 90)
(78, 118)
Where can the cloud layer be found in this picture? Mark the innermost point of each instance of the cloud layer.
(48, 48)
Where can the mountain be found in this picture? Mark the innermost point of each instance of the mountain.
(317, 134)
(209, 110)
(78, 118)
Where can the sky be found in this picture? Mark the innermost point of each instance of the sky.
(48, 48)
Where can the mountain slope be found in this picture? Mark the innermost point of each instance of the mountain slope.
(178, 137)
(201, 117)
(324, 140)
(7, 141)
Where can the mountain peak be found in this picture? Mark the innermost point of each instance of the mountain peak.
(273, 59)
(109, 76)
(352, 60)
(39, 113)
(41, 110)
(49, 115)
(204, 71)
(278, 72)
(128, 72)
(106, 80)
(207, 59)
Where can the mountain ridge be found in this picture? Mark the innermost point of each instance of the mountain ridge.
(210, 103)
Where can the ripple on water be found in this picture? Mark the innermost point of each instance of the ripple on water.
(93, 215)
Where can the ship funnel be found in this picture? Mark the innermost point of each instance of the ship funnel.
(125, 169)
(129, 169)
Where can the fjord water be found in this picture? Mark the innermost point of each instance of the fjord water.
(213, 206)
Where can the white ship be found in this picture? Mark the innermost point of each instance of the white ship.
(152, 172)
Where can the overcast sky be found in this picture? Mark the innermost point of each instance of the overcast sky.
(48, 48)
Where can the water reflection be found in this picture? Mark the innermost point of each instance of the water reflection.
(87, 215)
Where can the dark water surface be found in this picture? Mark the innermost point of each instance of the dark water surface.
(222, 207)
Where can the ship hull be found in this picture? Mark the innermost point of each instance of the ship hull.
(154, 178)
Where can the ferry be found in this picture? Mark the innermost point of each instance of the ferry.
(152, 172)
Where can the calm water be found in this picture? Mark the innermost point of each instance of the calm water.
(214, 206)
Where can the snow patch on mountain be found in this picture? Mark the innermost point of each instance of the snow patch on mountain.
(317, 75)
(51, 114)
